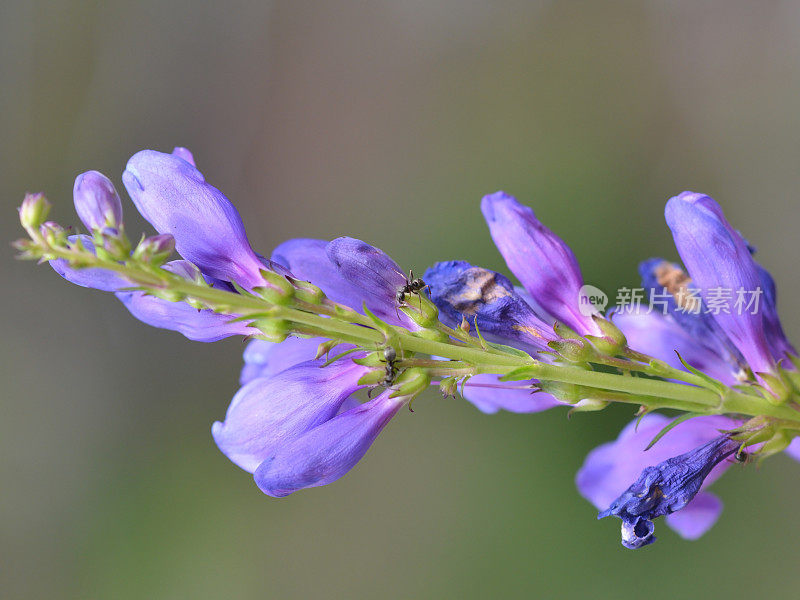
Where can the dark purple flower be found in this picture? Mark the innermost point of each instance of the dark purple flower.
(544, 264)
(327, 452)
(609, 469)
(96, 201)
(269, 412)
(666, 488)
(461, 290)
(717, 258)
(175, 198)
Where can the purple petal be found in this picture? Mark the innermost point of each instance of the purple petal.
(794, 449)
(697, 517)
(270, 412)
(490, 395)
(326, 453)
(173, 196)
(461, 290)
(371, 271)
(264, 359)
(198, 325)
(185, 154)
(98, 279)
(780, 346)
(96, 201)
(609, 469)
(542, 262)
(717, 258)
(661, 337)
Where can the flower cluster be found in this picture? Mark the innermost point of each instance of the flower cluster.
(330, 322)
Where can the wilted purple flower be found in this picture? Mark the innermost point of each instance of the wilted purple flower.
(327, 452)
(269, 412)
(544, 264)
(666, 488)
(175, 198)
(461, 290)
(717, 257)
(96, 201)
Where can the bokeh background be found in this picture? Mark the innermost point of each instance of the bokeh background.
(386, 121)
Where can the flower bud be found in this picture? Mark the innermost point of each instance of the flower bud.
(96, 201)
(33, 210)
(53, 233)
(155, 249)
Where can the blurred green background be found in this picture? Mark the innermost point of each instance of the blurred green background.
(386, 121)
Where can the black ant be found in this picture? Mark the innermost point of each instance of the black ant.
(413, 285)
(390, 370)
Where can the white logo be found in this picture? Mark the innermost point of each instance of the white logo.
(591, 300)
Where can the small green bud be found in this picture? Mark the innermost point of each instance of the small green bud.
(155, 249)
(308, 292)
(566, 392)
(324, 348)
(564, 332)
(611, 331)
(464, 326)
(53, 233)
(411, 382)
(573, 351)
(777, 390)
(278, 282)
(422, 311)
(273, 330)
(34, 210)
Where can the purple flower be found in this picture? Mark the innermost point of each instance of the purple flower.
(461, 290)
(606, 475)
(327, 452)
(662, 337)
(269, 412)
(370, 271)
(717, 258)
(96, 201)
(175, 198)
(544, 264)
(309, 259)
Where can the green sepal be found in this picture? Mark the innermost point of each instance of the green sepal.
(666, 429)
(371, 378)
(573, 351)
(449, 386)
(713, 384)
(564, 332)
(324, 348)
(520, 373)
(273, 330)
(479, 334)
(410, 382)
(509, 350)
(611, 331)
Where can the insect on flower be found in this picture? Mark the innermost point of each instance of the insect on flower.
(390, 369)
(413, 285)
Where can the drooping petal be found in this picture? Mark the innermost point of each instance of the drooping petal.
(490, 395)
(610, 468)
(461, 290)
(96, 201)
(327, 452)
(98, 279)
(662, 337)
(697, 517)
(543, 263)
(175, 198)
(264, 359)
(720, 265)
(666, 488)
(269, 412)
